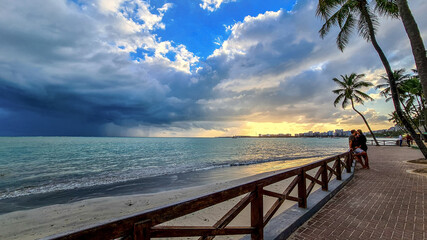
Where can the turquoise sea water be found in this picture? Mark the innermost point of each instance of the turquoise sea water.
(36, 165)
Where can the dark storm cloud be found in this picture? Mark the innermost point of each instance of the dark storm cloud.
(57, 62)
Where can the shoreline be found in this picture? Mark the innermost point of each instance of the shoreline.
(149, 185)
(61, 218)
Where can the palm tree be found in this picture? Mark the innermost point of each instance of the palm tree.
(414, 99)
(389, 7)
(409, 90)
(346, 14)
(399, 78)
(350, 93)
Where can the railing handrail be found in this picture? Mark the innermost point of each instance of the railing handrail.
(372, 142)
(122, 226)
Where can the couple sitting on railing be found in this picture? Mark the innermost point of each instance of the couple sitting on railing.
(357, 143)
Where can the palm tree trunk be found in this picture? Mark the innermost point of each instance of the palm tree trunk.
(393, 87)
(417, 45)
(366, 122)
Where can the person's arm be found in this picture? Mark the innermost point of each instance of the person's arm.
(350, 143)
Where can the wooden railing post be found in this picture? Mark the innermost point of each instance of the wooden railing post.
(302, 190)
(141, 230)
(257, 215)
(324, 176)
(339, 168)
(348, 162)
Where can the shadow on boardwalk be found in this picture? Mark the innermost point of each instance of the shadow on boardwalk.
(385, 202)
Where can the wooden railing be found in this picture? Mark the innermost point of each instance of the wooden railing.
(391, 142)
(146, 225)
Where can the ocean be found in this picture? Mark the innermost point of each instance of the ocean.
(40, 171)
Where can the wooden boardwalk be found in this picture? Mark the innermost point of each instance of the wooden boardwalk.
(385, 202)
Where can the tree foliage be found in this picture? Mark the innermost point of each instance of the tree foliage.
(350, 92)
(411, 97)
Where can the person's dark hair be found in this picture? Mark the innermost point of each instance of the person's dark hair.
(352, 131)
(360, 131)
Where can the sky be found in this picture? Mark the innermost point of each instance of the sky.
(187, 68)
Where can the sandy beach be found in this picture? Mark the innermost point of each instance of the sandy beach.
(54, 219)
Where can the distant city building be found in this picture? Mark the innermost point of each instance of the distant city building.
(330, 133)
(339, 132)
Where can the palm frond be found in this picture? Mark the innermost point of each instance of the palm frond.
(363, 26)
(341, 83)
(338, 99)
(364, 95)
(338, 91)
(325, 8)
(358, 99)
(387, 8)
(385, 92)
(345, 32)
(410, 101)
(362, 84)
(358, 77)
(348, 79)
(345, 103)
(383, 85)
(338, 18)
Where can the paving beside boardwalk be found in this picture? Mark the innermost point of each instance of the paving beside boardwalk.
(385, 202)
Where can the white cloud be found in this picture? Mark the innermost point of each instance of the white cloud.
(134, 21)
(248, 33)
(280, 68)
(109, 6)
(184, 59)
(132, 12)
(165, 7)
(212, 5)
